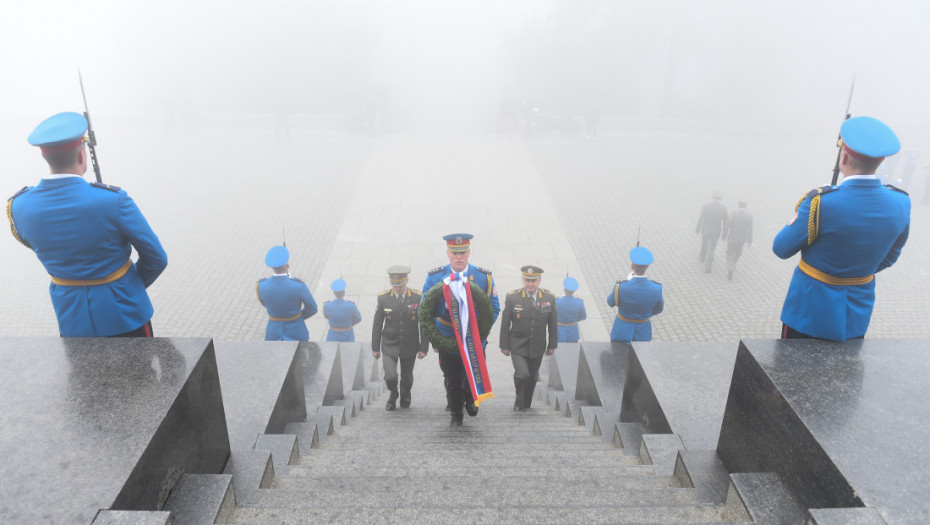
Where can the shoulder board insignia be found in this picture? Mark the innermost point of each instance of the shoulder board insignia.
(114, 189)
(889, 186)
(483, 270)
(262, 279)
(518, 290)
(621, 282)
(296, 279)
(414, 292)
(657, 282)
(20, 192)
(385, 292)
(546, 292)
(434, 271)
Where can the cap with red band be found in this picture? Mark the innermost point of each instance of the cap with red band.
(458, 242)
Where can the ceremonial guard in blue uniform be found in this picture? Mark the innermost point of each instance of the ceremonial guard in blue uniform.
(637, 299)
(395, 334)
(846, 234)
(529, 315)
(83, 234)
(287, 299)
(458, 249)
(341, 314)
(571, 312)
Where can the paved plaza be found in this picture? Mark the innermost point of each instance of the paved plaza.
(350, 206)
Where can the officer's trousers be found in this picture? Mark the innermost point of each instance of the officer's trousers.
(708, 245)
(525, 375)
(406, 375)
(456, 384)
(734, 251)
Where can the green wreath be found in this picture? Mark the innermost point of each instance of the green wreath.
(427, 317)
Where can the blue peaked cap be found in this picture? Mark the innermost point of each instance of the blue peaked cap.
(641, 256)
(277, 256)
(570, 284)
(870, 137)
(338, 285)
(59, 129)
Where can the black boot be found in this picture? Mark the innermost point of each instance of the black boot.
(405, 399)
(392, 399)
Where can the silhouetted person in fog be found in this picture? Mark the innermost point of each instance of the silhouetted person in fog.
(737, 231)
(710, 226)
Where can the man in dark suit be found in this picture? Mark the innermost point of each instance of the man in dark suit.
(529, 312)
(396, 334)
(736, 232)
(709, 226)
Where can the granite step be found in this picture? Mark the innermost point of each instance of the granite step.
(474, 458)
(538, 469)
(403, 494)
(305, 479)
(448, 512)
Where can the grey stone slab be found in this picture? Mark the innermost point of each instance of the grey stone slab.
(846, 516)
(263, 388)
(704, 471)
(661, 451)
(319, 363)
(629, 437)
(283, 448)
(95, 423)
(843, 424)
(604, 424)
(589, 415)
(202, 498)
(764, 497)
(308, 436)
(607, 367)
(337, 413)
(353, 371)
(133, 517)
(679, 388)
(251, 470)
(564, 362)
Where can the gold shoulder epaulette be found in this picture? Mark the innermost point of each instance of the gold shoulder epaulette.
(518, 290)
(436, 270)
(414, 292)
(384, 292)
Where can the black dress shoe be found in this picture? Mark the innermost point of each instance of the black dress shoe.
(471, 408)
(405, 404)
(455, 422)
(517, 408)
(389, 405)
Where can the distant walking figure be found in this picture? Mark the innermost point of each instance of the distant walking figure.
(709, 226)
(736, 232)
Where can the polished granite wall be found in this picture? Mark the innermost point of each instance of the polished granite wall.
(92, 423)
(843, 424)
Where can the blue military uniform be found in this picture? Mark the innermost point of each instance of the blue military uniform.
(287, 300)
(846, 234)
(342, 316)
(637, 300)
(457, 391)
(477, 275)
(83, 234)
(571, 311)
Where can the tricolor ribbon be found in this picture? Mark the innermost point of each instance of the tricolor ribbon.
(457, 293)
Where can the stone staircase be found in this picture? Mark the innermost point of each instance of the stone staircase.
(502, 466)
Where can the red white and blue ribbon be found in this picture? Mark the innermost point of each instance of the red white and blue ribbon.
(457, 292)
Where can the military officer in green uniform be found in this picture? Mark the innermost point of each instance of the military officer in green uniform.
(529, 313)
(396, 335)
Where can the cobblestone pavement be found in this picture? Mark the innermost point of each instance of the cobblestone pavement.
(352, 206)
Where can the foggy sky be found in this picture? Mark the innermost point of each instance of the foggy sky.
(452, 60)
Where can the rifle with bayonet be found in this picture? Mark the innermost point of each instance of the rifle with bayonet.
(839, 138)
(91, 136)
